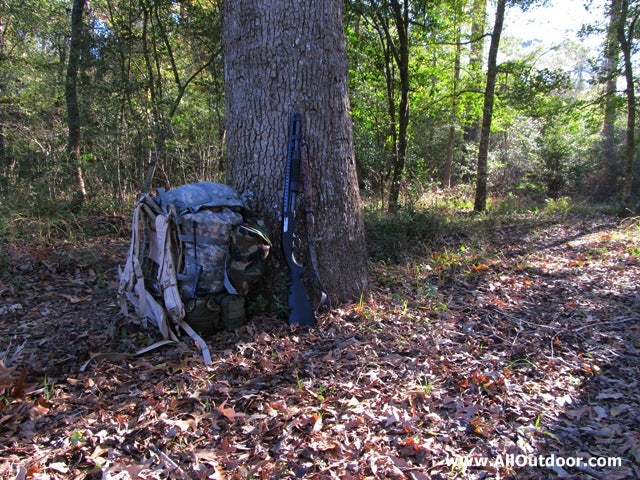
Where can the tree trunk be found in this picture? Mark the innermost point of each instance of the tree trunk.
(447, 171)
(480, 203)
(71, 94)
(391, 22)
(281, 58)
(609, 169)
(3, 146)
(400, 50)
(166, 87)
(154, 86)
(626, 30)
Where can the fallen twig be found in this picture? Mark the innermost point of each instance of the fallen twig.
(167, 460)
(613, 322)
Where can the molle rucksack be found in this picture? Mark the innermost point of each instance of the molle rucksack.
(195, 254)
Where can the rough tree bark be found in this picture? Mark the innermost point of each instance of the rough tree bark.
(282, 56)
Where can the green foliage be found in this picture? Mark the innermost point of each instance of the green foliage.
(511, 204)
(558, 206)
(151, 88)
(530, 90)
(394, 237)
(544, 127)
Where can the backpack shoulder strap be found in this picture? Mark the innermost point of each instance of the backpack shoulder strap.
(131, 276)
(167, 270)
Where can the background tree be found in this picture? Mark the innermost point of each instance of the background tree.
(607, 171)
(480, 201)
(121, 135)
(167, 77)
(32, 73)
(390, 21)
(610, 73)
(368, 88)
(447, 170)
(71, 94)
(399, 49)
(476, 61)
(279, 59)
(627, 25)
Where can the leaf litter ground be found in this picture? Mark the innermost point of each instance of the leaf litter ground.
(509, 355)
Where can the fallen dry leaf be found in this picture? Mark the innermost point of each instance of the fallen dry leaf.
(228, 412)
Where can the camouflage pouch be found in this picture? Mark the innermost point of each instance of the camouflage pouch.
(217, 312)
(248, 252)
(232, 314)
(203, 315)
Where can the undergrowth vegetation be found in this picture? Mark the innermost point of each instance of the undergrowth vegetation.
(396, 237)
(26, 223)
(438, 221)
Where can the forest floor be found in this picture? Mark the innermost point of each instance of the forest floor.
(513, 352)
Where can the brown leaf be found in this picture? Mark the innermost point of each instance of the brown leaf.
(74, 298)
(7, 375)
(317, 425)
(228, 412)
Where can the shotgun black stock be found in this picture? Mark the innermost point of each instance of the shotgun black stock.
(300, 309)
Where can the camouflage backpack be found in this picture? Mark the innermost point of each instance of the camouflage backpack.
(195, 254)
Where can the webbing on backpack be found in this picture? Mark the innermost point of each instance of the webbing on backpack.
(167, 313)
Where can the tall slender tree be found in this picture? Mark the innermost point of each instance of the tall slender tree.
(166, 83)
(447, 171)
(628, 20)
(400, 50)
(480, 201)
(71, 94)
(390, 19)
(610, 71)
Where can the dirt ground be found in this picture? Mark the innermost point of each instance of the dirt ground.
(516, 359)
